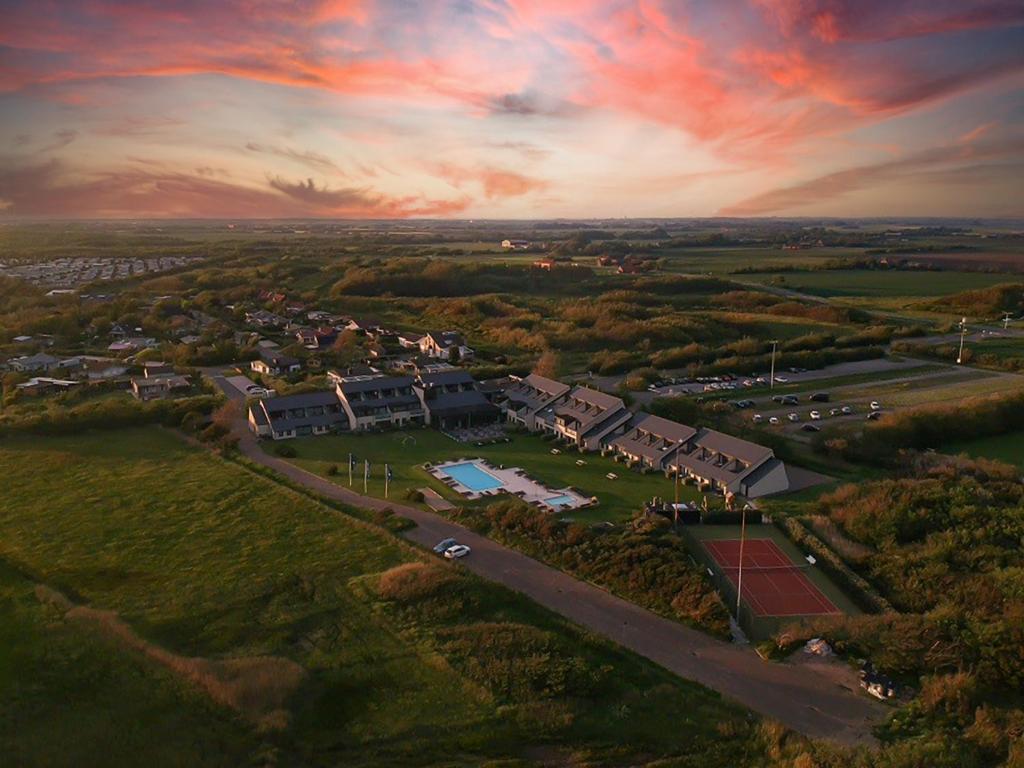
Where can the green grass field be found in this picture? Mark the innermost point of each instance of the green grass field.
(407, 451)
(207, 560)
(841, 283)
(1008, 448)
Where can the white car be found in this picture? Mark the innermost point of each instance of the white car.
(847, 410)
(773, 420)
(459, 550)
(875, 406)
(815, 415)
(758, 418)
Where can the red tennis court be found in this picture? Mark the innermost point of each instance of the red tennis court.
(773, 585)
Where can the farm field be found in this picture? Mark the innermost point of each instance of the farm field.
(1008, 448)
(407, 451)
(212, 567)
(880, 284)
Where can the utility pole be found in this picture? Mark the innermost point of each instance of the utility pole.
(963, 333)
(771, 379)
(739, 578)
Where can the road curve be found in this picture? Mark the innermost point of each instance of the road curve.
(799, 697)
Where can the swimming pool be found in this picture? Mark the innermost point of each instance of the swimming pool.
(472, 477)
(563, 500)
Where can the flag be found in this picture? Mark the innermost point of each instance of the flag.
(351, 461)
(387, 471)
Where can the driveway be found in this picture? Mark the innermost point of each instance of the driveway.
(802, 699)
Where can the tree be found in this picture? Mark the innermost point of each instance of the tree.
(547, 364)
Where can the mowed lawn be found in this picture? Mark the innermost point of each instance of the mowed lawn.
(206, 560)
(406, 452)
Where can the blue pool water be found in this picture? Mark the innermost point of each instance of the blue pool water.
(474, 478)
(563, 500)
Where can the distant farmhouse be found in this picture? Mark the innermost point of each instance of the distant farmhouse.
(515, 245)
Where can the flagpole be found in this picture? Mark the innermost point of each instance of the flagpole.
(350, 470)
(366, 474)
(387, 472)
(739, 579)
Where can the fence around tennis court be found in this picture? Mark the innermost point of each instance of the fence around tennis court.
(755, 626)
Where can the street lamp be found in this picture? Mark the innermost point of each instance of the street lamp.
(963, 333)
(771, 379)
(739, 578)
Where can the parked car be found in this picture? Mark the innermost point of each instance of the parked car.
(847, 410)
(815, 415)
(758, 418)
(874, 416)
(875, 406)
(810, 428)
(782, 379)
(820, 397)
(774, 420)
(834, 411)
(459, 550)
(793, 417)
(443, 546)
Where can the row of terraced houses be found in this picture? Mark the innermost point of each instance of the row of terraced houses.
(583, 417)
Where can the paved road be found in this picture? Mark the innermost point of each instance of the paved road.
(804, 700)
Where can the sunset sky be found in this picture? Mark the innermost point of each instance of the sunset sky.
(511, 108)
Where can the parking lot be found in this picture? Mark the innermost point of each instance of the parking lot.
(71, 272)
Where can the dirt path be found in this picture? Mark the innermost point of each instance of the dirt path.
(801, 699)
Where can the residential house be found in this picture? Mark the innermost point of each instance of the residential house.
(34, 363)
(379, 401)
(524, 398)
(43, 385)
(158, 387)
(316, 338)
(452, 399)
(515, 245)
(649, 441)
(248, 387)
(264, 319)
(311, 413)
(546, 264)
(584, 417)
(93, 368)
(729, 464)
(441, 345)
(409, 340)
(275, 363)
(132, 344)
(154, 368)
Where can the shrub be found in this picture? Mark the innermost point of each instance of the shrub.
(285, 451)
(412, 582)
(518, 662)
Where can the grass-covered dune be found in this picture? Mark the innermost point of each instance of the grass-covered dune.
(158, 604)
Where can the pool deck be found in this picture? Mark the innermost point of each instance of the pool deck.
(514, 481)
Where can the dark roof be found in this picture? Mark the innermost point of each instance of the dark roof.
(452, 403)
(356, 384)
(444, 378)
(277, 359)
(303, 400)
